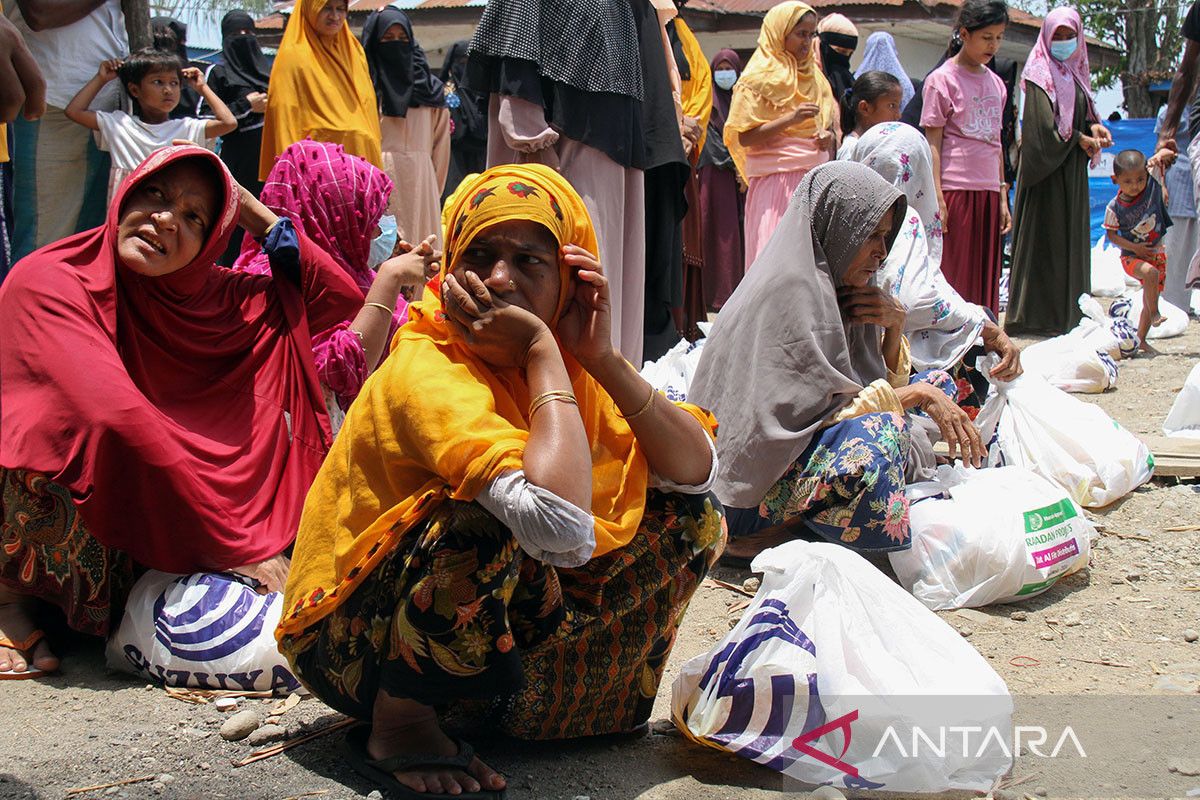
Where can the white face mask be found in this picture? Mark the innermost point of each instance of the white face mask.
(725, 78)
(383, 244)
(1063, 49)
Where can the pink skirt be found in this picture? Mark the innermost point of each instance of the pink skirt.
(767, 199)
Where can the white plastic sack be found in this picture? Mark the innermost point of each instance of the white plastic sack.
(1070, 363)
(203, 631)
(1108, 276)
(1183, 420)
(1004, 534)
(1109, 333)
(672, 374)
(1065, 440)
(1175, 324)
(829, 673)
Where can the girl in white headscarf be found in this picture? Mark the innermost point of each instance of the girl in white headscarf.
(940, 325)
(810, 394)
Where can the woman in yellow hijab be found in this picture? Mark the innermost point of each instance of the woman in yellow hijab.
(781, 119)
(320, 87)
(510, 513)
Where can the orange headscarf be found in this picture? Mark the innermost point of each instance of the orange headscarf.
(775, 82)
(320, 90)
(435, 422)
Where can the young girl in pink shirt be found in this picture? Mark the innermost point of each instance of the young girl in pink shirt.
(962, 116)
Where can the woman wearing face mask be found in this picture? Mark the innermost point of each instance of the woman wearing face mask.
(173, 421)
(241, 82)
(320, 87)
(781, 119)
(814, 427)
(1051, 263)
(338, 201)
(414, 120)
(511, 515)
(721, 201)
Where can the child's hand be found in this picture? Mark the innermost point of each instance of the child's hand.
(108, 69)
(1145, 252)
(194, 77)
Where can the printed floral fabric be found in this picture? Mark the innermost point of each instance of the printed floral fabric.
(457, 612)
(46, 552)
(848, 486)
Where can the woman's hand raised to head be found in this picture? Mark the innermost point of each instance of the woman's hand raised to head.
(585, 328)
(500, 333)
(870, 305)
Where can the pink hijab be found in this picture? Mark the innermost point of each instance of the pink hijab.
(333, 198)
(1058, 78)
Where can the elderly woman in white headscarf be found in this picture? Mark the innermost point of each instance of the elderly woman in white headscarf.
(812, 397)
(942, 327)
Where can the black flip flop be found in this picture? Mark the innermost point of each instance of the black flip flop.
(379, 771)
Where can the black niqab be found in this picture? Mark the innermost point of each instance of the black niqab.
(399, 69)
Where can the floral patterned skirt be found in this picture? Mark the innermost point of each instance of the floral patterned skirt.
(848, 484)
(46, 552)
(459, 613)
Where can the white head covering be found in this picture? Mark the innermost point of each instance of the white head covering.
(780, 359)
(880, 54)
(941, 325)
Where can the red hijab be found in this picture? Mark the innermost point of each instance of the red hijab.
(182, 411)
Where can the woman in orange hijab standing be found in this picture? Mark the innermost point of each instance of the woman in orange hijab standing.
(781, 119)
(320, 87)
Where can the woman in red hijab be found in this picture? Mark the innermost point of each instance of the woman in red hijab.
(156, 409)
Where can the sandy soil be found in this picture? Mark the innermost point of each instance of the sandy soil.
(89, 726)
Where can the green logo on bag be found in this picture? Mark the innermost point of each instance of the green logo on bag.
(1051, 515)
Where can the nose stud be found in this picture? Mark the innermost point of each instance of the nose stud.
(512, 286)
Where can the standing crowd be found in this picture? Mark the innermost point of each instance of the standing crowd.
(377, 351)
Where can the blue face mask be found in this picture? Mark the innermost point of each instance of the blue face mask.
(383, 244)
(725, 78)
(1064, 49)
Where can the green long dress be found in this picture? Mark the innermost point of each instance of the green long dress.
(1051, 263)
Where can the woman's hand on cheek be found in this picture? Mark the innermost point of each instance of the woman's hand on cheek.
(585, 328)
(870, 305)
(500, 333)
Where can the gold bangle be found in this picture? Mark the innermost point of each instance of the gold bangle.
(643, 409)
(548, 397)
(390, 311)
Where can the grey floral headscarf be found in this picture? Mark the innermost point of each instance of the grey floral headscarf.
(780, 359)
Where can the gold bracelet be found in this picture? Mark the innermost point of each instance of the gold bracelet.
(390, 311)
(548, 397)
(643, 409)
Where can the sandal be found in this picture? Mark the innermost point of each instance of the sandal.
(379, 771)
(26, 645)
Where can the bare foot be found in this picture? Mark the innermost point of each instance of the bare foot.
(16, 625)
(1159, 319)
(404, 727)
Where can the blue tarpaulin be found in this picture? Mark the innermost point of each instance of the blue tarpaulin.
(1128, 134)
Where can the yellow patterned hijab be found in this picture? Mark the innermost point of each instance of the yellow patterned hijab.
(775, 82)
(435, 422)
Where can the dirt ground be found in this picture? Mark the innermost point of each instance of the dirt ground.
(89, 726)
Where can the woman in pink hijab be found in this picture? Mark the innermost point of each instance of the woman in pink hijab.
(1060, 133)
(338, 200)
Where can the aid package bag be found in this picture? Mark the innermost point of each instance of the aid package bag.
(983, 536)
(203, 631)
(1183, 420)
(832, 673)
(1065, 440)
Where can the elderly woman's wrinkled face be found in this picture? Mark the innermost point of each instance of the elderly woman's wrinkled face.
(331, 18)
(799, 40)
(165, 220)
(870, 256)
(518, 262)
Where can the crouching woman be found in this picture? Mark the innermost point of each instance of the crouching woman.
(510, 513)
